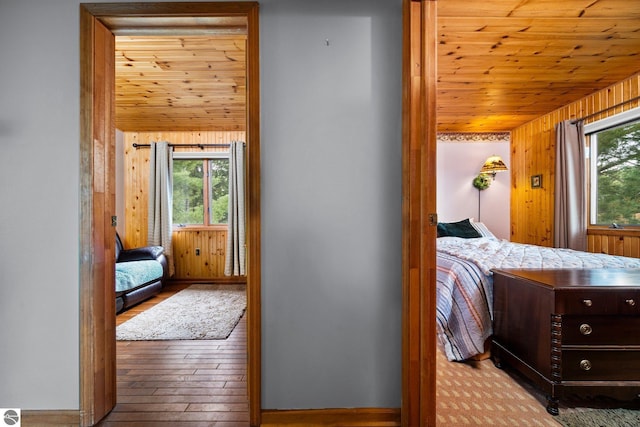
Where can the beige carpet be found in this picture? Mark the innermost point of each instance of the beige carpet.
(199, 312)
(476, 393)
(479, 394)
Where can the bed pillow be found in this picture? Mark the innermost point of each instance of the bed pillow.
(462, 229)
(483, 230)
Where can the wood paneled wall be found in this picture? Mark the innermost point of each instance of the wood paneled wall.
(614, 242)
(209, 263)
(211, 242)
(533, 153)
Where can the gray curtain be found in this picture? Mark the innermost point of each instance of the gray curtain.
(161, 199)
(570, 198)
(236, 237)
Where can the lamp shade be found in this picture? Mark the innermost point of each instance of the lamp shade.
(492, 165)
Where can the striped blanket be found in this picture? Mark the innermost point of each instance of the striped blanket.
(464, 284)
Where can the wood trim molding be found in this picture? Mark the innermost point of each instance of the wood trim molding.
(97, 236)
(109, 12)
(87, 366)
(474, 137)
(360, 417)
(254, 272)
(619, 232)
(418, 202)
(50, 418)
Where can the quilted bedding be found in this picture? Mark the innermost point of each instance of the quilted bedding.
(464, 291)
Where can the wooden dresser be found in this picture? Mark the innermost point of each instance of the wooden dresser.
(570, 331)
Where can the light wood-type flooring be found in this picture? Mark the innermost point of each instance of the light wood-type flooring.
(180, 383)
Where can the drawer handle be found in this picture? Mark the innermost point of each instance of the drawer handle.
(586, 329)
(587, 302)
(585, 365)
(630, 302)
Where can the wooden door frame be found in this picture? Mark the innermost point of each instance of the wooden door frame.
(418, 213)
(97, 201)
(97, 371)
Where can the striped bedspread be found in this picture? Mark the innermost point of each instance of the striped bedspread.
(464, 284)
(464, 298)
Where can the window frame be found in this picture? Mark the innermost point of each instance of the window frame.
(625, 117)
(206, 189)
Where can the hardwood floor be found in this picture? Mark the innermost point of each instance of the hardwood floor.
(181, 383)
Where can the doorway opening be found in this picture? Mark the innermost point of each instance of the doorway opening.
(100, 24)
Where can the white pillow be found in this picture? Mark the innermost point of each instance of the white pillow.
(483, 230)
(450, 239)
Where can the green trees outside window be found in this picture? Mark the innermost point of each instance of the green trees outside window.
(616, 184)
(219, 184)
(200, 191)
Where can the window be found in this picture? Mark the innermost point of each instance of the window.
(200, 189)
(614, 144)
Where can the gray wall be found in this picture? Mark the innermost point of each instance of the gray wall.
(39, 149)
(330, 189)
(331, 211)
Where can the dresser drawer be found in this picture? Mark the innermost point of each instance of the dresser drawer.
(598, 301)
(601, 330)
(601, 365)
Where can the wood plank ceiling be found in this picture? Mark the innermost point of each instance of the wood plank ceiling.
(188, 78)
(501, 63)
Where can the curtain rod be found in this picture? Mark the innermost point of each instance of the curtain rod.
(620, 104)
(201, 146)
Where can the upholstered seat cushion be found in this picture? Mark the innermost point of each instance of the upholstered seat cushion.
(130, 275)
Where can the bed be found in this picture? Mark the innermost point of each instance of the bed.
(466, 253)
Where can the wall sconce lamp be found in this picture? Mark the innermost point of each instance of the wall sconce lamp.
(493, 165)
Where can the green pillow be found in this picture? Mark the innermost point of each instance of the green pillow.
(462, 229)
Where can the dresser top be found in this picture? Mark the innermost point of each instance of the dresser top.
(597, 277)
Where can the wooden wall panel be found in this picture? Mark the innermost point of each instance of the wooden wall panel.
(210, 263)
(614, 242)
(532, 156)
(533, 153)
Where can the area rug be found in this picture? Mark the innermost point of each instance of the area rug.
(600, 418)
(199, 312)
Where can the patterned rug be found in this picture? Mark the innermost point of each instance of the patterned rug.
(600, 418)
(199, 312)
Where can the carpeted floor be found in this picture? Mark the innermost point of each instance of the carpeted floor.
(199, 312)
(476, 393)
(601, 418)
